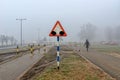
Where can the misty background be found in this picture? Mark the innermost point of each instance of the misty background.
(96, 20)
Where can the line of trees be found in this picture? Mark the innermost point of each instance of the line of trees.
(7, 40)
(92, 33)
(113, 34)
(87, 31)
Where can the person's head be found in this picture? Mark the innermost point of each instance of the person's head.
(86, 40)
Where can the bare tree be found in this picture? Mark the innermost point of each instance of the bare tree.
(6, 39)
(87, 31)
(12, 40)
(44, 39)
(2, 39)
(109, 32)
(117, 34)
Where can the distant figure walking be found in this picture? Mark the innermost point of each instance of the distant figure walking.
(87, 44)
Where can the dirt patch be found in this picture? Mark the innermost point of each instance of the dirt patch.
(41, 64)
(48, 59)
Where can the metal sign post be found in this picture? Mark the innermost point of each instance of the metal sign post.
(58, 52)
(58, 32)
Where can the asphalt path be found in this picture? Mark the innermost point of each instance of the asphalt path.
(109, 63)
(11, 70)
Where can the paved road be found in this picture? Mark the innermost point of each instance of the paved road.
(11, 70)
(109, 63)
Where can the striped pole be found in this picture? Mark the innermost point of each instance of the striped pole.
(58, 53)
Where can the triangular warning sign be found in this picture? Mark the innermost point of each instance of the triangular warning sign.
(57, 30)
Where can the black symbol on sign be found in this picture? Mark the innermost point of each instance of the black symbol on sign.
(61, 33)
(53, 33)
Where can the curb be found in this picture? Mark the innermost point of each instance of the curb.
(95, 65)
(22, 74)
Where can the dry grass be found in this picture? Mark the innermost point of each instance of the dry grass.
(107, 48)
(73, 67)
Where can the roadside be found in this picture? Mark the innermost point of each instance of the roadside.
(72, 67)
(113, 50)
(7, 55)
(109, 63)
(11, 70)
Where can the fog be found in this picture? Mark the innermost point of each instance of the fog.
(41, 16)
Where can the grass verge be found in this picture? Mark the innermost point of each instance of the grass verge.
(72, 67)
(107, 48)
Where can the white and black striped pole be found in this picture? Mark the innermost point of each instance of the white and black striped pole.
(58, 31)
(58, 53)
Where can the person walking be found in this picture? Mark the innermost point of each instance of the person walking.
(87, 44)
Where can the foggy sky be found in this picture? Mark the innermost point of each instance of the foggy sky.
(41, 16)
